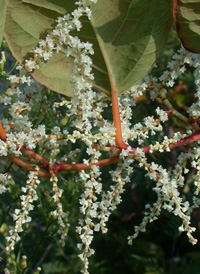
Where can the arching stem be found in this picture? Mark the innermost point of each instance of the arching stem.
(28, 167)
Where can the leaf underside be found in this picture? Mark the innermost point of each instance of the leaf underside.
(127, 36)
(187, 18)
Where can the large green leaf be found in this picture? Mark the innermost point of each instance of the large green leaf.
(3, 6)
(127, 35)
(132, 34)
(187, 18)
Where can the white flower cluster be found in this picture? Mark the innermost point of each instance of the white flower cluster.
(140, 131)
(89, 206)
(21, 216)
(54, 43)
(168, 198)
(165, 145)
(112, 197)
(58, 213)
(194, 60)
(97, 212)
(5, 181)
(192, 155)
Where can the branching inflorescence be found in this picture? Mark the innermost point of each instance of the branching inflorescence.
(20, 139)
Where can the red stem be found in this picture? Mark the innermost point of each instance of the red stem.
(81, 166)
(2, 133)
(107, 161)
(116, 116)
(117, 123)
(190, 139)
(67, 167)
(34, 155)
(28, 167)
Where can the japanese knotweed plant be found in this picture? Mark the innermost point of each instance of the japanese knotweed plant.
(95, 53)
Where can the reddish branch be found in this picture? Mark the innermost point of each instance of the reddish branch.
(34, 155)
(44, 162)
(104, 162)
(190, 139)
(28, 167)
(117, 123)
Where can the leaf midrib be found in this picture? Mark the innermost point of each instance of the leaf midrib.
(102, 50)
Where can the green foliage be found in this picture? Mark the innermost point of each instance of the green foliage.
(128, 37)
(3, 5)
(187, 17)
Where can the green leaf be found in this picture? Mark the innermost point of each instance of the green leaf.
(127, 35)
(131, 36)
(25, 25)
(187, 18)
(3, 6)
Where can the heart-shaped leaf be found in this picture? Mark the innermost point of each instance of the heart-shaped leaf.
(3, 6)
(127, 35)
(187, 18)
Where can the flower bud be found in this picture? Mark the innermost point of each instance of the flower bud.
(24, 262)
(38, 270)
(3, 44)
(64, 121)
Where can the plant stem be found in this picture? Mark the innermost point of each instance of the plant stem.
(81, 166)
(28, 167)
(174, 111)
(2, 133)
(14, 66)
(69, 167)
(36, 156)
(116, 116)
(190, 139)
